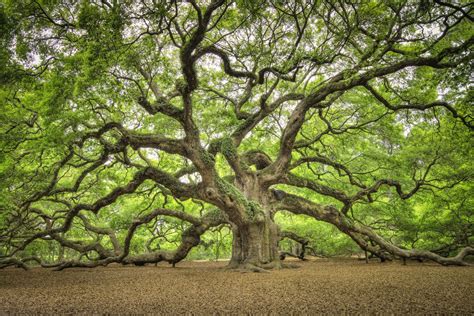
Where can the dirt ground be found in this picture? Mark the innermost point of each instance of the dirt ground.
(318, 286)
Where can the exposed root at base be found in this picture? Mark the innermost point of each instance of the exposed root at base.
(290, 266)
(266, 267)
(247, 267)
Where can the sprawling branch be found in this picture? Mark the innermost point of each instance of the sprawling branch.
(418, 106)
(302, 182)
(343, 82)
(190, 238)
(357, 231)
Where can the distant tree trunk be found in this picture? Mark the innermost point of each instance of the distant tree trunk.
(297, 249)
(61, 254)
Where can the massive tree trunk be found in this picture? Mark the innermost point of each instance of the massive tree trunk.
(255, 236)
(255, 244)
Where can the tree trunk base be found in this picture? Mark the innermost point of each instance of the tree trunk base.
(266, 267)
(255, 246)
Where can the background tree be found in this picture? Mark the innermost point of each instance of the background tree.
(121, 116)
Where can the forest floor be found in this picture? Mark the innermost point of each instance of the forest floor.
(317, 286)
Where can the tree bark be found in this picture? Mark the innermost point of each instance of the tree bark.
(255, 245)
(363, 235)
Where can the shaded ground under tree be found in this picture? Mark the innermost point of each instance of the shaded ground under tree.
(318, 286)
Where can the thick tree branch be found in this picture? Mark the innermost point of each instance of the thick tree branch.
(298, 205)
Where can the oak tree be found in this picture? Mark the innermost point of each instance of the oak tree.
(122, 116)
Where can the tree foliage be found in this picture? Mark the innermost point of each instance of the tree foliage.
(130, 128)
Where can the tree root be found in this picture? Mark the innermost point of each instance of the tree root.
(248, 267)
(264, 267)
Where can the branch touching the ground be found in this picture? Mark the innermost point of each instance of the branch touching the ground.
(329, 214)
(189, 239)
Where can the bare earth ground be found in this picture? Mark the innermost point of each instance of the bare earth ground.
(318, 286)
